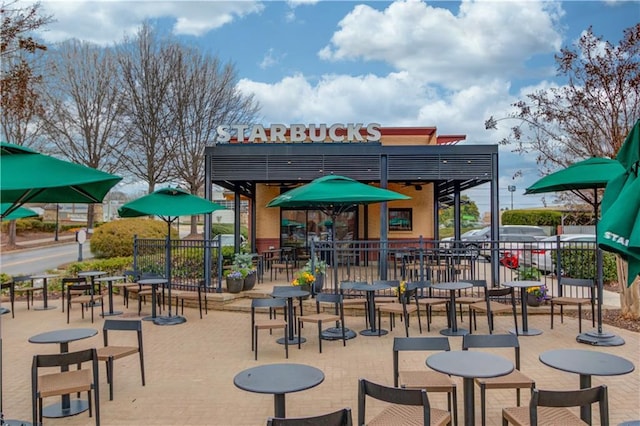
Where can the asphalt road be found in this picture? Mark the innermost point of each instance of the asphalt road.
(40, 260)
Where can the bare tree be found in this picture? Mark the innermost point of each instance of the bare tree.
(19, 103)
(147, 67)
(203, 94)
(83, 108)
(589, 116)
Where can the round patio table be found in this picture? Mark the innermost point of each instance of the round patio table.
(44, 278)
(586, 364)
(154, 283)
(66, 407)
(370, 290)
(469, 365)
(290, 293)
(109, 281)
(453, 330)
(279, 379)
(523, 286)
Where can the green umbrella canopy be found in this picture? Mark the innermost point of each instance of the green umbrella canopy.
(28, 176)
(19, 213)
(619, 228)
(594, 172)
(168, 203)
(334, 191)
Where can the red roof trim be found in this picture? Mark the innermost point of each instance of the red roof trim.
(450, 139)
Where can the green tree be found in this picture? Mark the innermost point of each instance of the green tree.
(469, 213)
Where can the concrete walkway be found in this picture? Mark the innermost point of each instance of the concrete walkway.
(190, 368)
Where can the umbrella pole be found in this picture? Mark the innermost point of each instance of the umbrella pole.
(169, 319)
(598, 337)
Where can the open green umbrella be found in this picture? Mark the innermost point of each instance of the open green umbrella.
(334, 194)
(19, 213)
(619, 229)
(168, 204)
(590, 174)
(28, 176)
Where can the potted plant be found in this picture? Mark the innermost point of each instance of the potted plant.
(536, 295)
(304, 279)
(318, 268)
(243, 262)
(235, 280)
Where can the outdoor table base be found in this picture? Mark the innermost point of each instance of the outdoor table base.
(169, 320)
(522, 286)
(335, 333)
(370, 289)
(290, 294)
(109, 281)
(452, 287)
(602, 338)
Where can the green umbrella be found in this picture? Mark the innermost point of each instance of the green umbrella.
(619, 230)
(19, 213)
(28, 176)
(168, 204)
(590, 174)
(334, 193)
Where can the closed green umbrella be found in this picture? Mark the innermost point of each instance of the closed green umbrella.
(590, 174)
(168, 204)
(19, 213)
(619, 229)
(28, 176)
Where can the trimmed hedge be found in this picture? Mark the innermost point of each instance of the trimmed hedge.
(532, 217)
(115, 239)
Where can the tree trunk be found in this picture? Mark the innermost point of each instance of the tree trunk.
(629, 296)
(12, 233)
(194, 225)
(90, 215)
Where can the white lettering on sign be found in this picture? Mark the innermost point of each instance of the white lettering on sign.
(616, 238)
(298, 133)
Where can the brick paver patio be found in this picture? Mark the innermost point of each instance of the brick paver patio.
(190, 368)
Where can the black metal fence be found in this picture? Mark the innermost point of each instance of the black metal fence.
(193, 261)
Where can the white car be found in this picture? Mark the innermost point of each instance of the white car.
(542, 254)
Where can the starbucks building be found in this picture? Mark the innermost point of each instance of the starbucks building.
(266, 161)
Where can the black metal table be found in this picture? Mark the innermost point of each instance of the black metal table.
(66, 407)
(586, 364)
(45, 298)
(469, 365)
(154, 283)
(370, 290)
(279, 379)
(453, 329)
(93, 275)
(290, 293)
(109, 281)
(523, 286)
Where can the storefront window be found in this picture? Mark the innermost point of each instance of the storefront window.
(400, 219)
(298, 228)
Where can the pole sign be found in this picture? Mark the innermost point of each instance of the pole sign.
(299, 133)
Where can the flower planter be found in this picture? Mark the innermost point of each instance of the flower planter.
(235, 285)
(533, 301)
(306, 287)
(249, 282)
(318, 284)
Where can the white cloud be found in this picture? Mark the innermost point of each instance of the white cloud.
(104, 22)
(485, 40)
(268, 60)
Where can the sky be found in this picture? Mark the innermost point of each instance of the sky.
(444, 64)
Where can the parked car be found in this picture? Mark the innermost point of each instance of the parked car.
(542, 254)
(229, 239)
(511, 248)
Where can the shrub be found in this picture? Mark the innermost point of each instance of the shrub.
(581, 263)
(112, 266)
(115, 239)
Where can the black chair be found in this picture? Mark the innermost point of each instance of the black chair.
(64, 382)
(109, 353)
(404, 308)
(337, 418)
(544, 408)
(268, 324)
(514, 380)
(429, 380)
(12, 295)
(67, 281)
(82, 294)
(569, 285)
(494, 303)
(29, 288)
(477, 294)
(354, 299)
(200, 294)
(406, 406)
(324, 317)
(428, 301)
